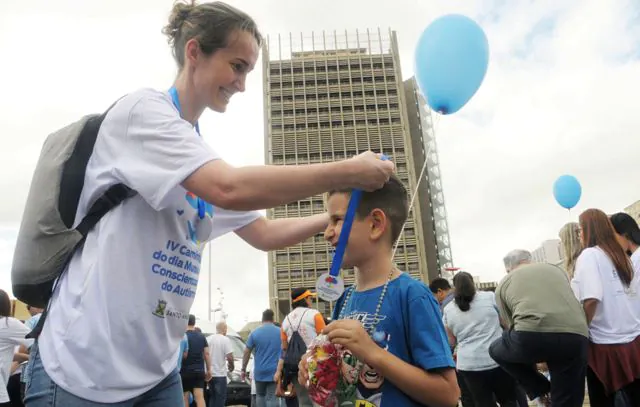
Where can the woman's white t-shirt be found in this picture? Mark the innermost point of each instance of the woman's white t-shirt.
(304, 320)
(119, 313)
(635, 260)
(474, 330)
(617, 316)
(12, 334)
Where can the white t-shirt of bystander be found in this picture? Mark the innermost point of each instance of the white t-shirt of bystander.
(617, 316)
(635, 260)
(12, 334)
(474, 330)
(124, 301)
(219, 348)
(307, 321)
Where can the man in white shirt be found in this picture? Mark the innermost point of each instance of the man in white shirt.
(221, 354)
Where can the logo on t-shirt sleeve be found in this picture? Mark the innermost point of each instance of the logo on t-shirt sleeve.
(198, 230)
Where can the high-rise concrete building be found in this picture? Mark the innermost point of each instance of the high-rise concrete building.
(430, 193)
(327, 98)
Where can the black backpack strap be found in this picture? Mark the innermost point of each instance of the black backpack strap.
(109, 200)
(301, 320)
(72, 181)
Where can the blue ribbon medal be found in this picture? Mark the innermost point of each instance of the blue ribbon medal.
(330, 285)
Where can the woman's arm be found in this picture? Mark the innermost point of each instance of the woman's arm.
(590, 306)
(451, 336)
(272, 234)
(267, 186)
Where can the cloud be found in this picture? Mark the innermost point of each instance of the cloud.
(559, 98)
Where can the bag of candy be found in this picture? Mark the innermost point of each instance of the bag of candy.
(324, 363)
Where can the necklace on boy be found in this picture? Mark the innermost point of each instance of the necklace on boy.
(347, 390)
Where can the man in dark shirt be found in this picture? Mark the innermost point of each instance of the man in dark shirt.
(441, 289)
(193, 372)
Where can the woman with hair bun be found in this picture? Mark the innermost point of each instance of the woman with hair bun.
(118, 313)
(472, 323)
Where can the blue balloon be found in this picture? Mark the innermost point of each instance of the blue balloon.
(567, 191)
(451, 62)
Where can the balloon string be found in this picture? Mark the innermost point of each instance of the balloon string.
(420, 177)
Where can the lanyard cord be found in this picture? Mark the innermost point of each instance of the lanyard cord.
(176, 102)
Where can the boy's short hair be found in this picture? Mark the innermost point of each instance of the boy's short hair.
(192, 320)
(392, 199)
(439, 284)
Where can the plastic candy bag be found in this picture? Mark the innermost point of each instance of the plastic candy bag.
(324, 372)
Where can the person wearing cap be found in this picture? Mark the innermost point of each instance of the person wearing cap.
(308, 322)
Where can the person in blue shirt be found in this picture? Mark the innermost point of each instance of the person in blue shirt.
(30, 323)
(396, 349)
(184, 350)
(195, 371)
(266, 343)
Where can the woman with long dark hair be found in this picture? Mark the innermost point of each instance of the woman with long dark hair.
(472, 323)
(12, 334)
(628, 236)
(607, 286)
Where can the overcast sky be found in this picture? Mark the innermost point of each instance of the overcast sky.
(560, 97)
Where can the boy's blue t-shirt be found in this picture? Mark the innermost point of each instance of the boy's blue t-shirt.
(410, 327)
(267, 344)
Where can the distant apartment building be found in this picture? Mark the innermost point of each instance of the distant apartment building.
(634, 210)
(549, 252)
(327, 98)
(19, 310)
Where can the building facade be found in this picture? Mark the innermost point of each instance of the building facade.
(430, 192)
(327, 98)
(634, 210)
(549, 252)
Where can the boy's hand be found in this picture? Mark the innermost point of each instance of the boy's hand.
(303, 370)
(351, 334)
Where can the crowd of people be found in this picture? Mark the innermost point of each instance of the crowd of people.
(547, 329)
(113, 331)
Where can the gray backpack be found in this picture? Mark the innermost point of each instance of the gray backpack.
(47, 238)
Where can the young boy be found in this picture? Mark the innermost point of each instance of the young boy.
(402, 352)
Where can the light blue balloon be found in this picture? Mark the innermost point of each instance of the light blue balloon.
(567, 191)
(451, 62)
